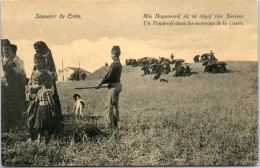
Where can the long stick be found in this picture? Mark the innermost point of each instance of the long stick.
(62, 71)
(92, 87)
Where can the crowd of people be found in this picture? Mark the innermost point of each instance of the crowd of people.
(157, 67)
(181, 70)
(44, 116)
(161, 66)
(205, 57)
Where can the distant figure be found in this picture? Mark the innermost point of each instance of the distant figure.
(187, 70)
(153, 68)
(212, 67)
(222, 68)
(204, 57)
(215, 68)
(115, 87)
(127, 62)
(177, 64)
(162, 59)
(146, 70)
(106, 64)
(208, 68)
(152, 61)
(172, 56)
(134, 63)
(79, 106)
(166, 69)
(158, 71)
(196, 58)
(144, 62)
(212, 56)
(179, 71)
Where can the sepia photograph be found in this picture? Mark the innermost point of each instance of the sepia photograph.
(129, 83)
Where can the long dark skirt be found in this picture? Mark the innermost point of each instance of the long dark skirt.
(41, 115)
(59, 118)
(7, 112)
(11, 112)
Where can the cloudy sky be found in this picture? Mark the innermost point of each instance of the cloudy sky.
(107, 23)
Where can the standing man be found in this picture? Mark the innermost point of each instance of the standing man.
(113, 79)
(15, 75)
(172, 56)
(212, 56)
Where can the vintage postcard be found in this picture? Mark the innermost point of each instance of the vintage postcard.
(129, 83)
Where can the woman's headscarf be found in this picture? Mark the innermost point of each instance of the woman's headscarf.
(41, 46)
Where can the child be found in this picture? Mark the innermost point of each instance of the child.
(41, 111)
(78, 105)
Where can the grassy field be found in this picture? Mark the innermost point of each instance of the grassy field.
(204, 119)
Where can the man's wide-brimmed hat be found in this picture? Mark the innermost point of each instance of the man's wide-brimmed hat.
(5, 42)
(116, 48)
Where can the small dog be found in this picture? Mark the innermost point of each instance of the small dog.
(79, 105)
(163, 80)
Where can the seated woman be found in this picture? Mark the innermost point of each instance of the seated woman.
(179, 71)
(41, 112)
(187, 70)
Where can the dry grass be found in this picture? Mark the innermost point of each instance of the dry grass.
(203, 119)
